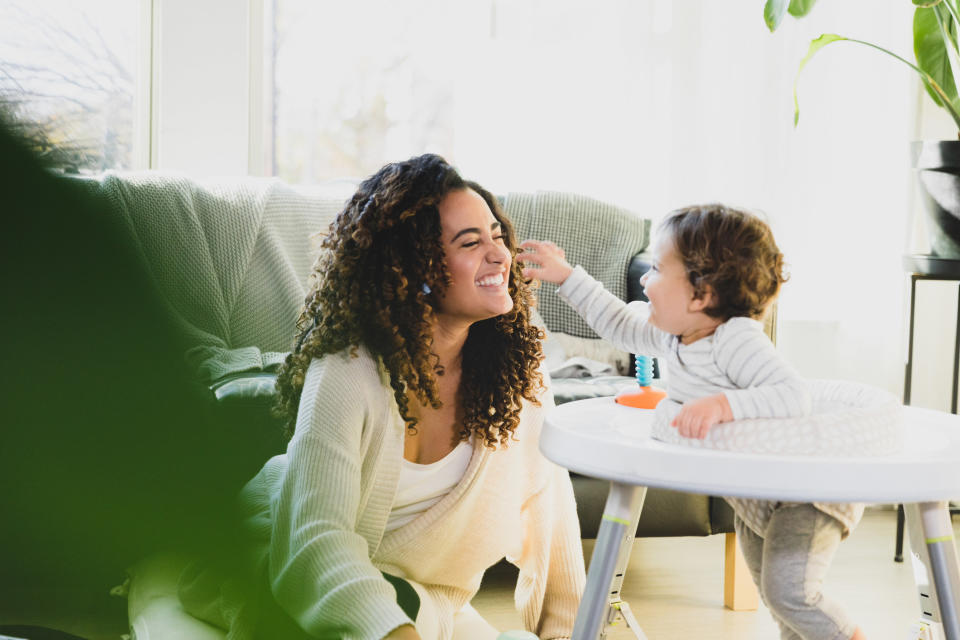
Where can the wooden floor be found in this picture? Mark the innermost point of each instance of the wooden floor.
(675, 588)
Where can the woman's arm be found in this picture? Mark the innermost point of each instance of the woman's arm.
(319, 566)
(552, 576)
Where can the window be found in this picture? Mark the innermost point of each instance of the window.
(352, 93)
(68, 80)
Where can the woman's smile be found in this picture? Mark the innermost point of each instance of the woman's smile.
(492, 281)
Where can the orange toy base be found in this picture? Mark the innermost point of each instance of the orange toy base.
(645, 398)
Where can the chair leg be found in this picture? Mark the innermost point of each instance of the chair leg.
(739, 592)
(898, 551)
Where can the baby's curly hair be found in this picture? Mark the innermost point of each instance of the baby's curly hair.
(376, 284)
(733, 253)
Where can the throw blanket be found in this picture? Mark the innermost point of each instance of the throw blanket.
(230, 257)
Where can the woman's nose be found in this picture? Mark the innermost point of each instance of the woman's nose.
(498, 254)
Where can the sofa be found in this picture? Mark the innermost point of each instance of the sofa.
(230, 258)
(237, 279)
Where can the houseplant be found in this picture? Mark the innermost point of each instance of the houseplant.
(935, 26)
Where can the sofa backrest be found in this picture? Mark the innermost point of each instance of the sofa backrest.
(232, 256)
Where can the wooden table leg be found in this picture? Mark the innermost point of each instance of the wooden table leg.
(739, 592)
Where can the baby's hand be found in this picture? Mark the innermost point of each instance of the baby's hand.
(697, 416)
(548, 260)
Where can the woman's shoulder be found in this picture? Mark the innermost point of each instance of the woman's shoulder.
(525, 439)
(353, 366)
(345, 384)
(343, 397)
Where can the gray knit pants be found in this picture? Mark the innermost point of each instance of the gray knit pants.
(789, 564)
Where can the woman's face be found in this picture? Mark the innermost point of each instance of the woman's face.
(476, 257)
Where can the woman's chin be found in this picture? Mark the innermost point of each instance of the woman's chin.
(504, 306)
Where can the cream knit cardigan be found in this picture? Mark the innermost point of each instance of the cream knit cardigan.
(322, 507)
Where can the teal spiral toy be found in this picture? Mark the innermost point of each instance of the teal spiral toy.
(647, 396)
(644, 369)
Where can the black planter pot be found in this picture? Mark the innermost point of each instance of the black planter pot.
(938, 167)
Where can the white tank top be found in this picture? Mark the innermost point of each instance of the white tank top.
(423, 485)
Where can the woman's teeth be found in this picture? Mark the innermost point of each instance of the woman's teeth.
(490, 281)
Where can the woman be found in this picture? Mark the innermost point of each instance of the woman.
(414, 400)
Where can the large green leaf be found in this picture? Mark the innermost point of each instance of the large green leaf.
(800, 8)
(930, 50)
(773, 12)
(815, 45)
(929, 82)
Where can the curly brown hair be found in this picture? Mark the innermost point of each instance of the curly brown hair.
(732, 253)
(368, 290)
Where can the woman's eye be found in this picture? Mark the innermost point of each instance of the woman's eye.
(473, 243)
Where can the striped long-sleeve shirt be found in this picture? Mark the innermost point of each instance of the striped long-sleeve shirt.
(737, 360)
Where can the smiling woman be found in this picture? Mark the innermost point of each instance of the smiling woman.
(414, 398)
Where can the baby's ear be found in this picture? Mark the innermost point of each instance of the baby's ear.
(702, 300)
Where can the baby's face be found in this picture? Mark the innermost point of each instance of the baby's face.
(673, 307)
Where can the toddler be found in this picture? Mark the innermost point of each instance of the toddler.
(715, 271)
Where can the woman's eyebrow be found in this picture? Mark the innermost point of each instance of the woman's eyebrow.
(473, 230)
